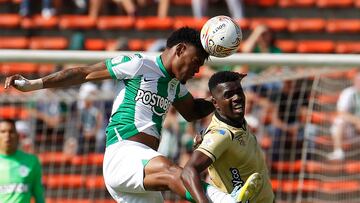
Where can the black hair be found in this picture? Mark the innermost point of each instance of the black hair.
(187, 35)
(7, 120)
(222, 77)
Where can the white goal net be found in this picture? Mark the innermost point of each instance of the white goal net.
(291, 108)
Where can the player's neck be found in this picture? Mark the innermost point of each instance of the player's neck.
(7, 152)
(235, 123)
(164, 59)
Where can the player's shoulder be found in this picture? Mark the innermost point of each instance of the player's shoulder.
(219, 131)
(28, 156)
(136, 59)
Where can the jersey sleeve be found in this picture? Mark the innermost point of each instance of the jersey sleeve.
(124, 67)
(182, 92)
(37, 187)
(215, 142)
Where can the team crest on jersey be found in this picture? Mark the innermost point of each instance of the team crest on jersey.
(23, 171)
(240, 138)
(159, 105)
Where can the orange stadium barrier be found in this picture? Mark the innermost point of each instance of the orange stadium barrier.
(115, 22)
(306, 25)
(296, 3)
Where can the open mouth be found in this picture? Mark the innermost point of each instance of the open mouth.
(238, 107)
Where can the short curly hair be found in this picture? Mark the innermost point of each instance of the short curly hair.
(187, 35)
(222, 77)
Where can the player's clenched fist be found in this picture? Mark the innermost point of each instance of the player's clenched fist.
(23, 84)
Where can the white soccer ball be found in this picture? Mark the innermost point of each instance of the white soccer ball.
(220, 36)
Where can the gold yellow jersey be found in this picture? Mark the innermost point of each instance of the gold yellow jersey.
(236, 155)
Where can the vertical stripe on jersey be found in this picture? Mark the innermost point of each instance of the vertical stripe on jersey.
(177, 92)
(162, 90)
(125, 115)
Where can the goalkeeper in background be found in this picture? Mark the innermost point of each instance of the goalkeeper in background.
(20, 172)
(227, 148)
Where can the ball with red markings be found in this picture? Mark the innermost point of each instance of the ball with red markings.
(221, 36)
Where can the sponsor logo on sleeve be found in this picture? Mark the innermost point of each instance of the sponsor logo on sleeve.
(222, 132)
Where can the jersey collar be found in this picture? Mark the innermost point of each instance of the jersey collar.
(231, 123)
(162, 67)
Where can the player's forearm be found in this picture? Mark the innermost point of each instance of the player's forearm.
(65, 78)
(202, 108)
(192, 182)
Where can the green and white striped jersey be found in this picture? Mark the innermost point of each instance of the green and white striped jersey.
(145, 94)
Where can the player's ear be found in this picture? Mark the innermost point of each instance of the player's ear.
(180, 49)
(213, 100)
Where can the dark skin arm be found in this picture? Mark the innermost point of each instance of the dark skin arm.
(191, 175)
(66, 77)
(76, 76)
(193, 109)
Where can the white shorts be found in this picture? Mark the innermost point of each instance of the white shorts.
(123, 170)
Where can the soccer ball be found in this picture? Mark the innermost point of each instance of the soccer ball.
(220, 36)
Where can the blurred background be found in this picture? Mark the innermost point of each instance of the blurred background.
(311, 152)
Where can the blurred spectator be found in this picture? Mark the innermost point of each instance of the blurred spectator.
(199, 8)
(26, 140)
(187, 143)
(47, 8)
(286, 129)
(157, 45)
(81, 6)
(49, 114)
(77, 41)
(261, 40)
(90, 121)
(347, 121)
(120, 44)
(169, 144)
(20, 172)
(129, 6)
(163, 8)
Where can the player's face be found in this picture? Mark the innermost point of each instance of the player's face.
(187, 62)
(8, 137)
(229, 100)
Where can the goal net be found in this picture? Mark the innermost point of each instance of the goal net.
(291, 109)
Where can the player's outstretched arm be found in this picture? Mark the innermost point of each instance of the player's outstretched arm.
(192, 109)
(191, 175)
(63, 78)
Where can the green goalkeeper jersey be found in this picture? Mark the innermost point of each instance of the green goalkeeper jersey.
(20, 178)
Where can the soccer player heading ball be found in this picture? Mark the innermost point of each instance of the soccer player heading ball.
(133, 169)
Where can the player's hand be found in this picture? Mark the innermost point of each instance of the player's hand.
(21, 83)
(260, 29)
